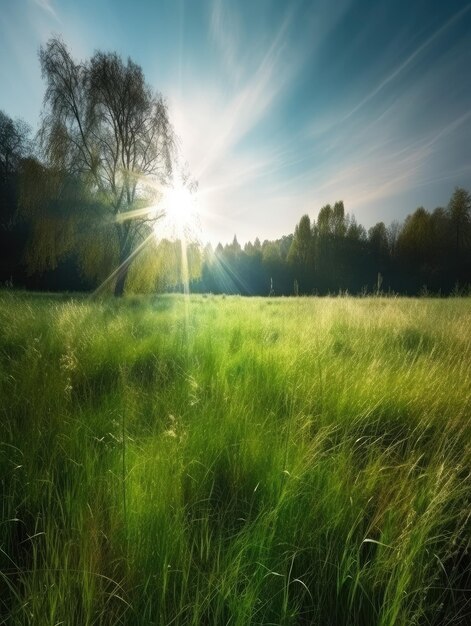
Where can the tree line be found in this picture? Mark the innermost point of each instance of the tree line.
(428, 252)
(79, 207)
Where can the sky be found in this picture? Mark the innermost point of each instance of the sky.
(280, 106)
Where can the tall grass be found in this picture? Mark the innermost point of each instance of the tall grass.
(280, 461)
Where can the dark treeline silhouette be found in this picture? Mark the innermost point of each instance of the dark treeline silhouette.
(14, 146)
(428, 252)
(17, 155)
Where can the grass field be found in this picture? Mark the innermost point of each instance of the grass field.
(235, 461)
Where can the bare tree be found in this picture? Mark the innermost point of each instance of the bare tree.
(103, 126)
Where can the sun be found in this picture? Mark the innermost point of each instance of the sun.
(179, 206)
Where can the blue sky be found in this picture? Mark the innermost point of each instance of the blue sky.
(281, 106)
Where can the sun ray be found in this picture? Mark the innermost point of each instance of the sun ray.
(150, 212)
(174, 215)
(123, 266)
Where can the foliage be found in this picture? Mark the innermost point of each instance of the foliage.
(15, 146)
(107, 137)
(334, 253)
(459, 209)
(165, 265)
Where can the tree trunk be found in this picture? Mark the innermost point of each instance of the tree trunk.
(124, 259)
(121, 281)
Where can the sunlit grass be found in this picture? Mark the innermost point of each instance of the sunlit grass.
(234, 461)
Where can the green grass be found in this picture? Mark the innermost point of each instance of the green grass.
(235, 461)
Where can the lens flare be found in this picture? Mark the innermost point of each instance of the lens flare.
(179, 206)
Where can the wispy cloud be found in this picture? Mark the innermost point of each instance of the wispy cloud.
(333, 119)
(225, 30)
(216, 120)
(47, 6)
(281, 107)
(253, 98)
(408, 61)
(379, 168)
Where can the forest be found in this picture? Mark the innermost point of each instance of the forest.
(429, 252)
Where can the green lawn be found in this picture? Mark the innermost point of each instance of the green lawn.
(235, 461)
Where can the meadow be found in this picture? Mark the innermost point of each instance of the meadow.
(240, 461)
